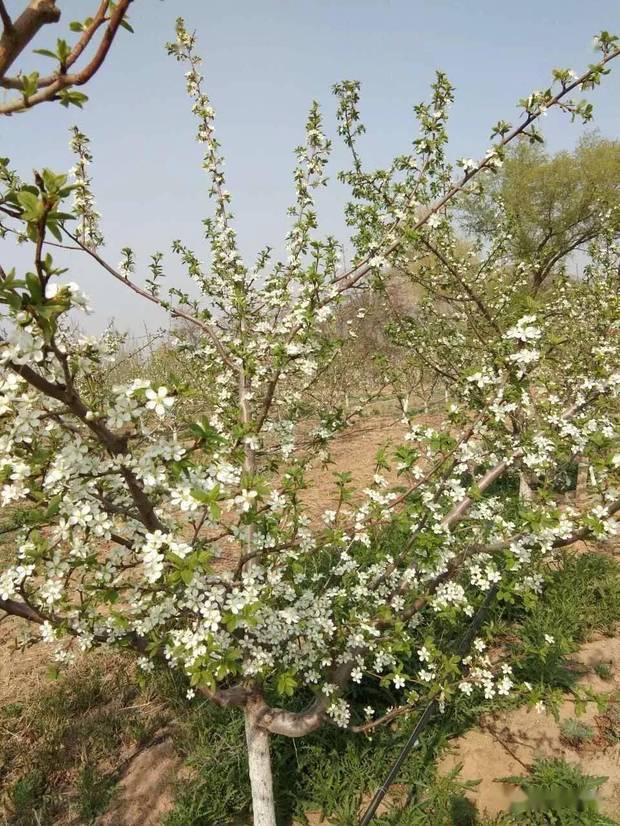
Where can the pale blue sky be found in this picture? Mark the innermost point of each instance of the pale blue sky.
(265, 61)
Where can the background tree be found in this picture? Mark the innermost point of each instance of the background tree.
(555, 205)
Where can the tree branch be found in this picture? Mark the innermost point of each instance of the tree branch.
(380, 721)
(52, 85)
(348, 279)
(112, 442)
(473, 295)
(6, 19)
(20, 609)
(82, 43)
(17, 35)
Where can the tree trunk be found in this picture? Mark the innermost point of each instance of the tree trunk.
(525, 491)
(259, 764)
(581, 486)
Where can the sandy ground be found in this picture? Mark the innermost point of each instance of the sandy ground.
(22, 670)
(507, 745)
(354, 451)
(145, 793)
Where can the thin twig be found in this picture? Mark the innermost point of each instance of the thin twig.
(175, 312)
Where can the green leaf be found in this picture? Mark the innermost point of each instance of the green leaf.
(62, 50)
(53, 507)
(72, 98)
(31, 205)
(286, 684)
(231, 622)
(34, 287)
(46, 53)
(30, 84)
(215, 511)
(53, 228)
(205, 433)
(207, 497)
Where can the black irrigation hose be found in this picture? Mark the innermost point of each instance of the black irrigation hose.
(427, 714)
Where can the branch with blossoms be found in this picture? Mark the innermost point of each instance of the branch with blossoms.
(535, 105)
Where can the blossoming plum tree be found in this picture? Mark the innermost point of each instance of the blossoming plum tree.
(123, 508)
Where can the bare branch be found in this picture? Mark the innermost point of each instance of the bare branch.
(6, 18)
(82, 43)
(20, 609)
(18, 35)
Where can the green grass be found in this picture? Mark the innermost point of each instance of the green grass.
(93, 791)
(581, 597)
(61, 755)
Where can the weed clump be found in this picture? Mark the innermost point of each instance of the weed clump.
(575, 732)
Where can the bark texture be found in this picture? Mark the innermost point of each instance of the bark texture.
(581, 488)
(15, 39)
(259, 765)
